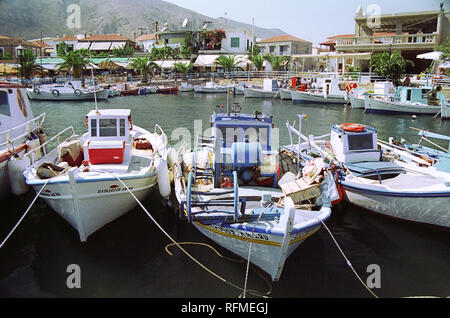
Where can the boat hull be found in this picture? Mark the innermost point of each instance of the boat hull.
(169, 90)
(421, 207)
(211, 90)
(104, 94)
(285, 94)
(258, 93)
(357, 102)
(99, 201)
(310, 98)
(386, 107)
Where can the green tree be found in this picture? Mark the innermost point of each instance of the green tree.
(228, 62)
(27, 65)
(144, 65)
(444, 47)
(258, 61)
(276, 61)
(183, 67)
(123, 51)
(75, 62)
(61, 49)
(392, 65)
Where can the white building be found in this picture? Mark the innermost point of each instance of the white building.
(146, 42)
(237, 41)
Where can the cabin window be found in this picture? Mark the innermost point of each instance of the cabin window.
(108, 127)
(425, 92)
(122, 127)
(235, 42)
(408, 94)
(360, 142)
(4, 105)
(93, 127)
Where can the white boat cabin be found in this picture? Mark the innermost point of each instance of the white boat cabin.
(108, 138)
(355, 143)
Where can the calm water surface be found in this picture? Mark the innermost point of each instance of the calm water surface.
(126, 258)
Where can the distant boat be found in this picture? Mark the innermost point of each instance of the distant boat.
(211, 88)
(328, 93)
(167, 90)
(186, 87)
(128, 92)
(270, 90)
(409, 101)
(71, 90)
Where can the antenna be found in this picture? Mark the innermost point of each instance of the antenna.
(185, 22)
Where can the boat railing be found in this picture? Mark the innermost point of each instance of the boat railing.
(31, 155)
(39, 120)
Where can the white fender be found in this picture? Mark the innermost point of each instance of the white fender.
(162, 173)
(16, 167)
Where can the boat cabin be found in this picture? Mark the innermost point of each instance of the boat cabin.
(416, 95)
(242, 143)
(270, 85)
(108, 139)
(354, 143)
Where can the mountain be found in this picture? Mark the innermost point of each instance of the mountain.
(47, 18)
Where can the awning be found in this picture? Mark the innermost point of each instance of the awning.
(83, 45)
(100, 46)
(170, 64)
(436, 55)
(310, 56)
(204, 60)
(8, 68)
(446, 64)
(50, 67)
(356, 56)
(48, 50)
(117, 45)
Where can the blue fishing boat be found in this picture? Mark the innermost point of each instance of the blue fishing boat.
(227, 187)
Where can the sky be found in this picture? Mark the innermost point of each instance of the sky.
(312, 20)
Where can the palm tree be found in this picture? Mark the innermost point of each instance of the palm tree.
(144, 66)
(183, 67)
(275, 61)
(75, 62)
(390, 64)
(227, 62)
(27, 65)
(258, 61)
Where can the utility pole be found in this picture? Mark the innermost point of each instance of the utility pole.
(253, 36)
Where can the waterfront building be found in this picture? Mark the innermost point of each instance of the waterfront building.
(104, 43)
(146, 42)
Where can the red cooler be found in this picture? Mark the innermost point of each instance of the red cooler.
(106, 152)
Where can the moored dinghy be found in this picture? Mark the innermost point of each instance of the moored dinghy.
(84, 176)
(228, 190)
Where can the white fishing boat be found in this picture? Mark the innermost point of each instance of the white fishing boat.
(211, 88)
(375, 180)
(185, 87)
(87, 178)
(71, 90)
(20, 132)
(359, 97)
(329, 93)
(409, 101)
(285, 94)
(269, 90)
(228, 191)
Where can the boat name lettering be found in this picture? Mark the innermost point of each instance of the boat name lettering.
(111, 190)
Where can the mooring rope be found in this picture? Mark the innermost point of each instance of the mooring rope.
(176, 243)
(342, 253)
(23, 216)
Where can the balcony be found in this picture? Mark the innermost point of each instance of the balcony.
(382, 42)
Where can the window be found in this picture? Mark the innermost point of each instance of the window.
(93, 127)
(360, 142)
(284, 49)
(2, 51)
(271, 49)
(235, 42)
(108, 127)
(122, 127)
(4, 105)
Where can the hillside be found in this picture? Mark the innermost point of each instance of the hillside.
(31, 19)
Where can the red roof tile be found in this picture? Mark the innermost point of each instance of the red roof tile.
(282, 38)
(146, 37)
(105, 38)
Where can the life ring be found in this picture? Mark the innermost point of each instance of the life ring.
(77, 92)
(55, 92)
(36, 91)
(352, 127)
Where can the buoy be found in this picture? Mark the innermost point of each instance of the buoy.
(162, 173)
(414, 117)
(16, 167)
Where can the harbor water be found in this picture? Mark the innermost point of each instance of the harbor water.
(127, 258)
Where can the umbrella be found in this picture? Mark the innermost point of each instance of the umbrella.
(446, 64)
(436, 55)
(108, 65)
